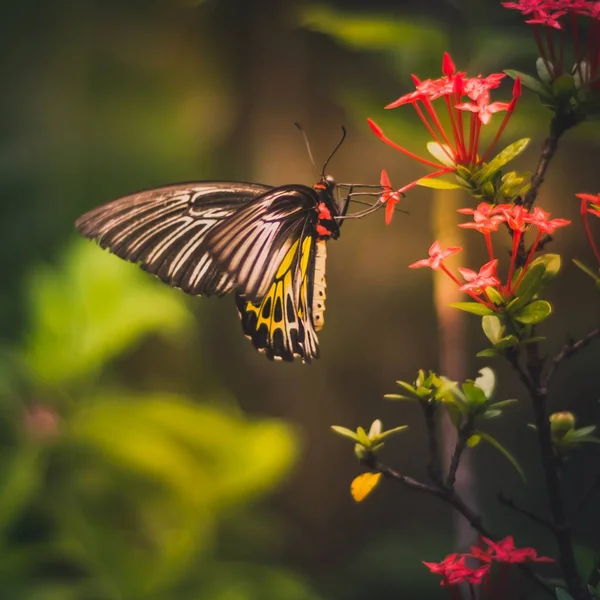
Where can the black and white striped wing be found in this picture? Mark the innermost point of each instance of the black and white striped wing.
(253, 242)
(164, 230)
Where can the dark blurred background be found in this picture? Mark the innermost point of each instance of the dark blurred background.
(146, 450)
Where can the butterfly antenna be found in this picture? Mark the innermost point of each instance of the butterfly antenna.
(334, 151)
(306, 143)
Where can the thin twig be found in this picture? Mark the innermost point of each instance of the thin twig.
(512, 505)
(567, 351)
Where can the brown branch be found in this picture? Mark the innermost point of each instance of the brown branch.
(464, 433)
(512, 505)
(558, 126)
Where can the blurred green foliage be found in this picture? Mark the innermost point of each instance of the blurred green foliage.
(109, 493)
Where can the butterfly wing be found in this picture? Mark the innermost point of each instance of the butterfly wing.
(164, 230)
(285, 322)
(255, 241)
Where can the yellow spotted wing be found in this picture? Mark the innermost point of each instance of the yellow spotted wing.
(285, 322)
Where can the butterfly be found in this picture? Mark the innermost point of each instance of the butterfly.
(266, 244)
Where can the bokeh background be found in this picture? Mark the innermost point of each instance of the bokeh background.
(146, 451)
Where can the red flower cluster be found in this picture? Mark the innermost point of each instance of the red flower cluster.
(504, 551)
(454, 570)
(487, 219)
(548, 12)
(461, 94)
(590, 205)
(554, 14)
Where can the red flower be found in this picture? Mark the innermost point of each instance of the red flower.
(482, 108)
(553, 14)
(436, 256)
(516, 217)
(485, 218)
(388, 197)
(540, 218)
(454, 571)
(477, 282)
(587, 199)
(505, 551)
(458, 144)
(594, 200)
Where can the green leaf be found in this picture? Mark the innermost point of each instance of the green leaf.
(529, 286)
(475, 308)
(531, 83)
(390, 432)
(345, 432)
(504, 403)
(473, 440)
(492, 327)
(534, 313)
(542, 71)
(375, 429)
(496, 444)
(562, 594)
(505, 156)
(552, 263)
(407, 386)
(372, 32)
(438, 184)
(90, 309)
(474, 395)
(400, 397)
(583, 431)
(533, 340)
(486, 381)
(563, 87)
(587, 439)
(423, 392)
(362, 437)
(494, 296)
(587, 270)
(509, 341)
(487, 353)
(442, 153)
(491, 413)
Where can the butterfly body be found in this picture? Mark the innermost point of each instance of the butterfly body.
(213, 237)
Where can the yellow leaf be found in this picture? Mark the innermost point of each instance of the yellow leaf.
(363, 485)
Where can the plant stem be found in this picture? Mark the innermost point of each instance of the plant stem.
(461, 442)
(561, 527)
(558, 126)
(434, 469)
